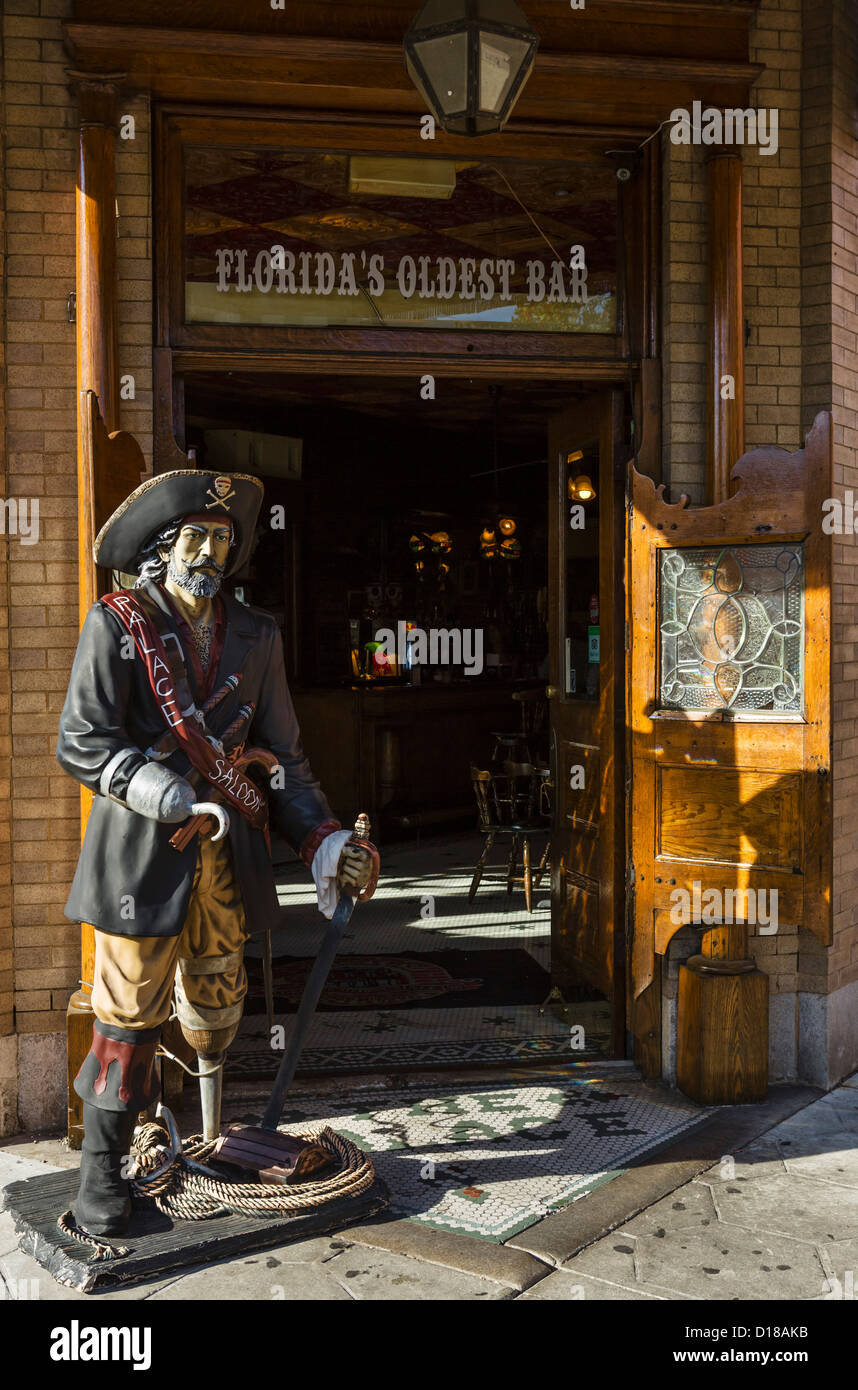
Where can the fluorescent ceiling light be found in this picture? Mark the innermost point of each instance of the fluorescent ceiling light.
(402, 178)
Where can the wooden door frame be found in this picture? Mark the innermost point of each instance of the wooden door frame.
(613, 464)
(259, 348)
(174, 128)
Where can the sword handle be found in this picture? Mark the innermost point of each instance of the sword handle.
(360, 839)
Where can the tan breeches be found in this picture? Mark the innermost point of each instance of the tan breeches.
(134, 975)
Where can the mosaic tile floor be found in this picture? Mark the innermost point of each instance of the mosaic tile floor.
(490, 1160)
(421, 905)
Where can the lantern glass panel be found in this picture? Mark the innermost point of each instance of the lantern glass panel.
(500, 60)
(445, 62)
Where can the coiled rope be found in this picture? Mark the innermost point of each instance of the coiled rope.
(183, 1192)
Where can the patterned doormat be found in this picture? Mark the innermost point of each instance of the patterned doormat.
(490, 1160)
(465, 979)
(370, 1040)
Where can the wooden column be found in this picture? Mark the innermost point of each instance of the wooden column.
(725, 433)
(97, 370)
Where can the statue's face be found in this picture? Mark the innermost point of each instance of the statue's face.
(198, 556)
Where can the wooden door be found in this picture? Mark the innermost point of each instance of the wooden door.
(728, 713)
(586, 701)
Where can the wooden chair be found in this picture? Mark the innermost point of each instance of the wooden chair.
(508, 805)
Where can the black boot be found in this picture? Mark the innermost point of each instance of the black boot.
(117, 1081)
(103, 1205)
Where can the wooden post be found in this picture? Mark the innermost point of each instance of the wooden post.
(97, 370)
(725, 433)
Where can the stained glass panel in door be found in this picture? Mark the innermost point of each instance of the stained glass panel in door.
(731, 620)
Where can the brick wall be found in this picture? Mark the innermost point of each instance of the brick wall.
(41, 442)
(41, 157)
(842, 353)
(772, 286)
(772, 213)
(684, 347)
(134, 268)
(8, 1042)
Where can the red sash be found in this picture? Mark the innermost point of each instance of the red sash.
(235, 788)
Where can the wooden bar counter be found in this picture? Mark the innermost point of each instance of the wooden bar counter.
(402, 753)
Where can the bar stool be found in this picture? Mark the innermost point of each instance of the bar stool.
(521, 746)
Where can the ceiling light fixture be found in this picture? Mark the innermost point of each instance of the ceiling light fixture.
(469, 60)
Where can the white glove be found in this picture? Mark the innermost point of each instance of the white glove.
(324, 870)
(156, 792)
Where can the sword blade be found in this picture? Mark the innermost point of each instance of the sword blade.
(310, 998)
(268, 979)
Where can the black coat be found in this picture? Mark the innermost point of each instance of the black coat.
(127, 863)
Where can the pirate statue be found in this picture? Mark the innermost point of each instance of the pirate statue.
(176, 690)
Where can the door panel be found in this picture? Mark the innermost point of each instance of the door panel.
(728, 709)
(729, 817)
(586, 702)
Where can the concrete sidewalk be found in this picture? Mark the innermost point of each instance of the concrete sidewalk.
(761, 1202)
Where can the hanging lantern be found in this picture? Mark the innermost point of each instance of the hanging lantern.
(469, 60)
(488, 542)
(441, 543)
(510, 548)
(507, 525)
(416, 544)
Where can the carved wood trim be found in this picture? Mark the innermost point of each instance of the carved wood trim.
(91, 40)
(167, 453)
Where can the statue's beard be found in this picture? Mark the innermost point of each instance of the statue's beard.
(194, 579)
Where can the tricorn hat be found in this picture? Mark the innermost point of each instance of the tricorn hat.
(169, 497)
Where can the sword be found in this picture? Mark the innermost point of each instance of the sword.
(318, 975)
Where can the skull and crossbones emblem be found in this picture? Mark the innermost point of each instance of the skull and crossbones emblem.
(223, 490)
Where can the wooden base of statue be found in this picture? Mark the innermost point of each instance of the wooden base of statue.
(722, 1042)
(157, 1244)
